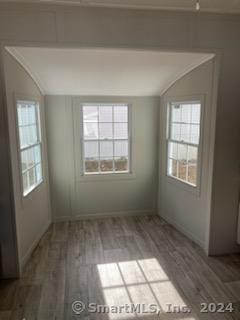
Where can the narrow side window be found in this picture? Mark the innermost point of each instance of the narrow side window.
(184, 120)
(30, 146)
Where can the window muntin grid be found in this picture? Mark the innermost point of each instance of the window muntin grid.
(106, 138)
(183, 141)
(29, 144)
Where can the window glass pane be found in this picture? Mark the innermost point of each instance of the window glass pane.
(22, 114)
(31, 157)
(90, 130)
(192, 164)
(38, 173)
(172, 167)
(27, 121)
(105, 114)
(31, 113)
(192, 174)
(26, 113)
(27, 158)
(121, 148)
(91, 165)
(121, 164)
(120, 113)
(91, 149)
(31, 177)
(32, 135)
(106, 149)
(195, 134)
(182, 152)
(182, 170)
(196, 113)
(120, 130)
(105, 130)
(176, 113)
(192, 155)
(23, 137)
(24, 160)
(176, 132)
(185, 132)
(186, 113)
(37, 154)
(90, 114)
(172, 150)
(182, 162)
(106, 165)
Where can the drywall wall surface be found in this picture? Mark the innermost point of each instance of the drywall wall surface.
(226, 171)
(9, 267)
(74, 195)
(33, 211)
(185, 206)
(70, 26)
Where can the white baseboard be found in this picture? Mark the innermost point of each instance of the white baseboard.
(105, 215)
(25, 258)
(183, 230)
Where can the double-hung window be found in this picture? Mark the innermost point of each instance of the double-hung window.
(106, 138)
(184, 121)
(30, 144)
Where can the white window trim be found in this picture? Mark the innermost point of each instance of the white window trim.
(174, 180)
(35, 100)
(94, 175)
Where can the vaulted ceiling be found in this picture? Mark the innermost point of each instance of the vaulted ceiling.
(105, 71)
(224, 6)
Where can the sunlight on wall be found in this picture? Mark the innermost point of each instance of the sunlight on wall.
(141, 282)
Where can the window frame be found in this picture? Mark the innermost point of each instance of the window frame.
(36, 102)
(185, 100)
(129, 139)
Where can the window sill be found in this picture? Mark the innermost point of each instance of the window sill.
(107, 177)
(31, 190)
(183, 185)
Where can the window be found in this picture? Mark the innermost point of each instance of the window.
(105, 139)
(183, 141)
(30, 145)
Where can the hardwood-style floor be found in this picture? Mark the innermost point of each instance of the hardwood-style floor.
(119, 261)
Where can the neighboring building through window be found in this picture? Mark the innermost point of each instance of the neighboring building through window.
(105, 138)
(30, 144)
(183, 141)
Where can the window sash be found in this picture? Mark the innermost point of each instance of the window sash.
(27, 125)
(186, 180)
(113, 157)
(22, 149)
(182, 142)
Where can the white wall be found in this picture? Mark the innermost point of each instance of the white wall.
(33, 211)
(73, 195)
(184, 206)
(9, 267)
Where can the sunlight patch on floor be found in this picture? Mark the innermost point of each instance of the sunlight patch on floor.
(140, 282)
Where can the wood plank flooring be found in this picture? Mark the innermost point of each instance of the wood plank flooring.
(114, 261)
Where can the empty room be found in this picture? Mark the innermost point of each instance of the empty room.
(120, 160)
